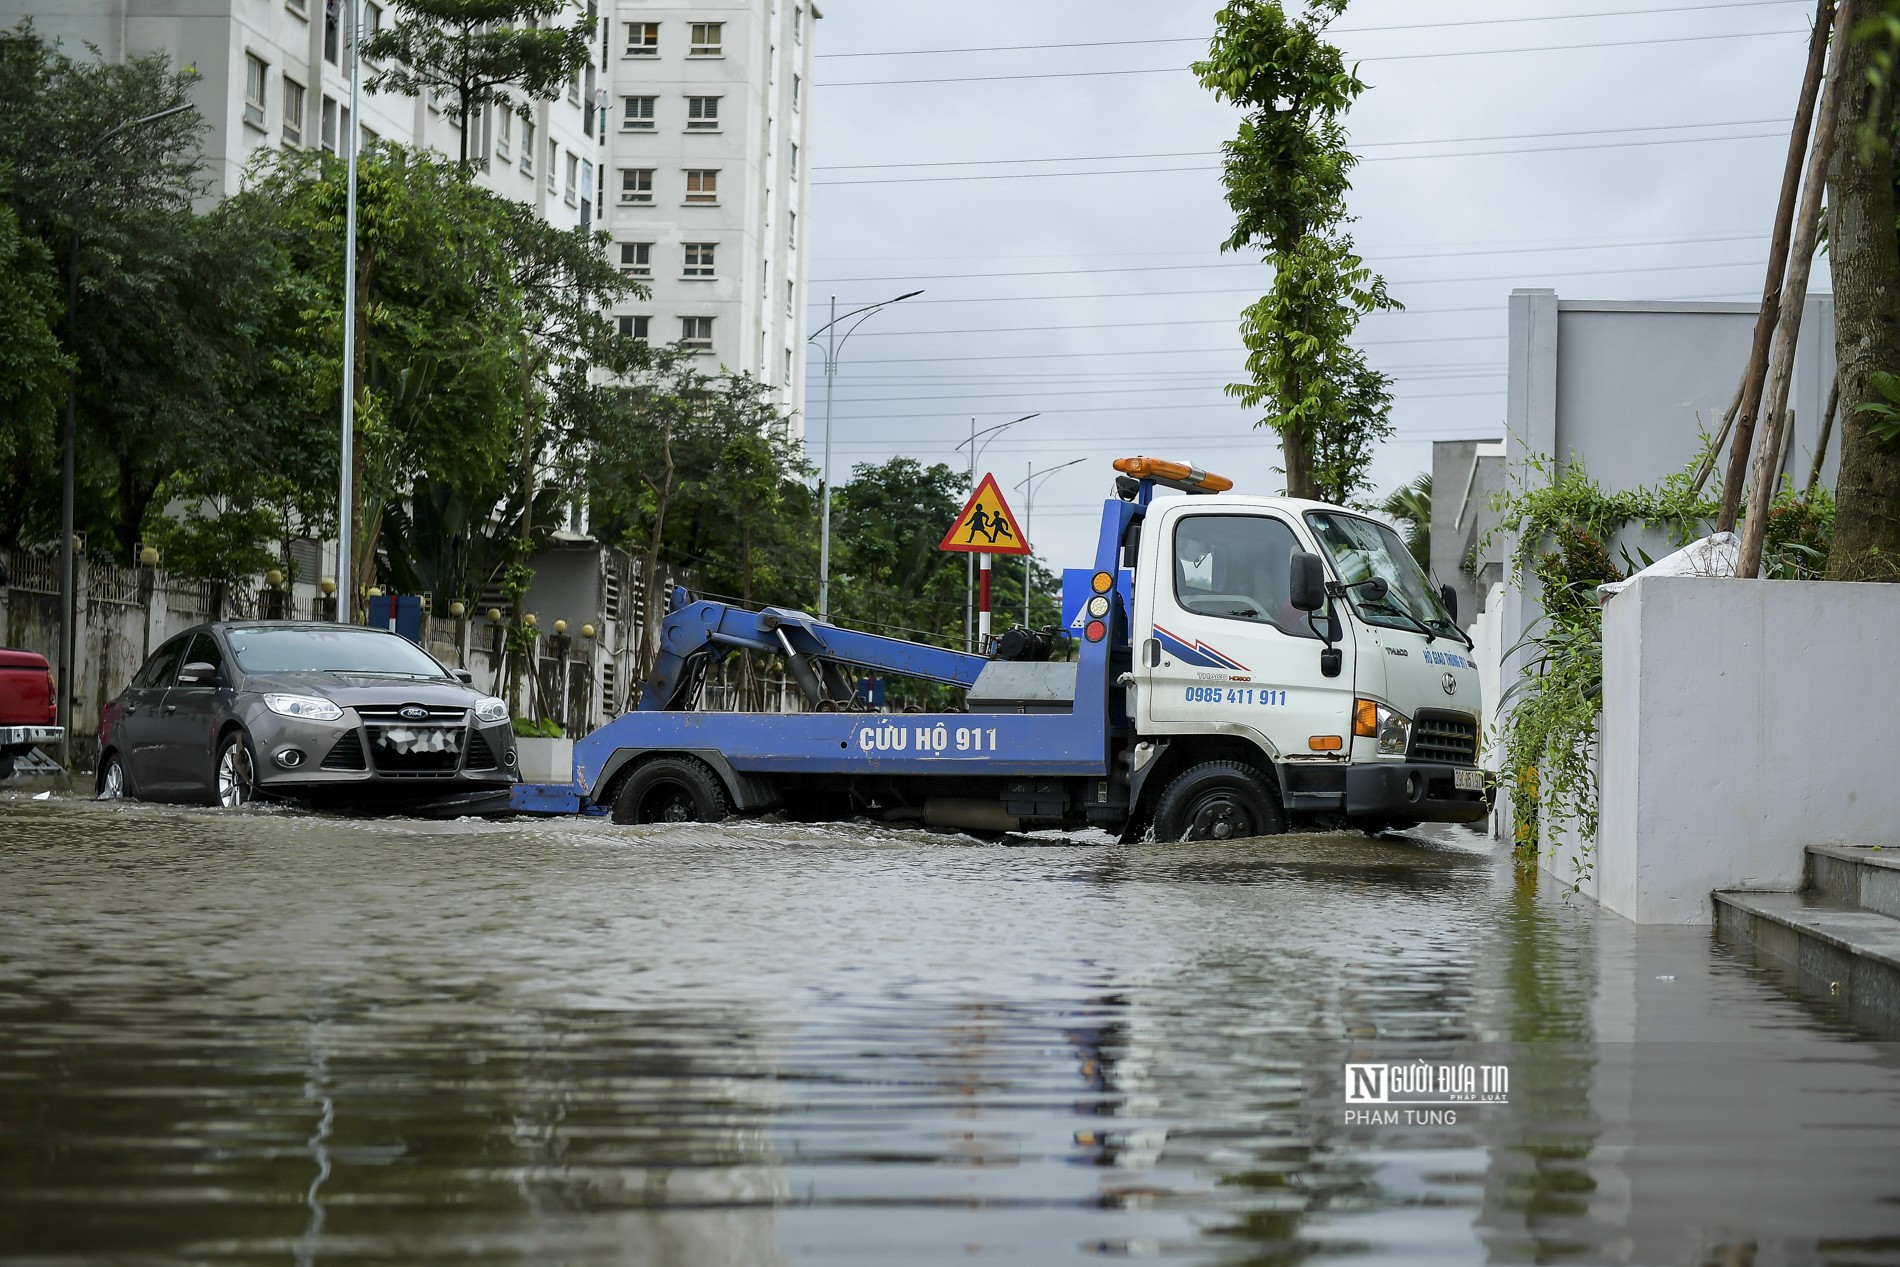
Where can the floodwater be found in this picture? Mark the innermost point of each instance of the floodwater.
(269, 1037)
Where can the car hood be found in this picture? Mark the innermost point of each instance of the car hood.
(351, 689)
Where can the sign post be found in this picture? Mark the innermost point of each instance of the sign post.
(985, 527)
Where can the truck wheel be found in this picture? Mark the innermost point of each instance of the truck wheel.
(1218, 800)
(671, 790)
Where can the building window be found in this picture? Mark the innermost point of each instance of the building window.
(791, 300)
(702, 114)
(702, 186)
(327, 135)
(696, 333)
(636, 184)
(791, 229)
(554, 161)
(502, 129)
(699, 259)
(794, 162)
(256, 71)
(332, 30)
(527, 147)
(798, 24)
(636, 259)
(297, 7)
(587, 192)
(372, 21)
(706, 39)
(572, 195)
(635, 328)
(637, 114)
(788, 367)
(643, 39)
(293, 112)
(574, 89)
(795, 82)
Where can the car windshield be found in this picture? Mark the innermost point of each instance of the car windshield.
(268, 650)
(1361, 549)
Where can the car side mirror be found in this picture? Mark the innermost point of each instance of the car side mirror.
(1449, 597)
(1306, 582)
(464, 677)
(198, 673)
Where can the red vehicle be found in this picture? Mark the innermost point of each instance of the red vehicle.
(27, 707)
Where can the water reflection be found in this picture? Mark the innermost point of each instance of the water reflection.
(263, 1038)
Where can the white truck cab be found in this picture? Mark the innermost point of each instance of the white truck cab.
(1366, 705)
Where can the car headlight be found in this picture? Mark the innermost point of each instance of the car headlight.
(1395, 732)
(491, 709)
(306, 707)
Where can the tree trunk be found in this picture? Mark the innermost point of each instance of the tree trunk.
(1827, 432)
(1866, 256)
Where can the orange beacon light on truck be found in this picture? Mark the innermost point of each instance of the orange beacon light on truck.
(1178, 475)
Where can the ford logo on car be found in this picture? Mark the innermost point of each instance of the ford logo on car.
(412, 713)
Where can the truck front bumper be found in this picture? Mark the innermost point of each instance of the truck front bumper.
(22, 737)
(1414, 791)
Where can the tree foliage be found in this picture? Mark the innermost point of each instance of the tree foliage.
(480, 52)
(1411, 505)
(1287, 176)
(32, 366)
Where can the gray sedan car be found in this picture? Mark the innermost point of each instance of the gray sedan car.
(228, 712)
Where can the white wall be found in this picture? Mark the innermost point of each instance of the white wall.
(1742, 721)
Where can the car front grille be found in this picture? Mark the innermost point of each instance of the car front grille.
(416, 750)
(1439, 735)
(346, 754)
(392, 713)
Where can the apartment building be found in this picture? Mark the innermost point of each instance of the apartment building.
(687, 138)
(706, 147)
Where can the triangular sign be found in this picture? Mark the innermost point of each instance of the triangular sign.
(986, 526)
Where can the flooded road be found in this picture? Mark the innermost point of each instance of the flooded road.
(267, 1037)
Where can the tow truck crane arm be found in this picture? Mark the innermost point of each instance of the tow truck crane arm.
(697, 634)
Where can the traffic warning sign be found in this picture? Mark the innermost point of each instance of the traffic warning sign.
(986, 525)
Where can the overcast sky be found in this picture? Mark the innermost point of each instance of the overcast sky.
(1061, 207)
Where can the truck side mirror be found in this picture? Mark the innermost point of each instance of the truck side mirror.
(1449, 597)
(1306, 582)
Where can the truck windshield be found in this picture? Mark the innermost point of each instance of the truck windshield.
(344, 650)
(1361, 549)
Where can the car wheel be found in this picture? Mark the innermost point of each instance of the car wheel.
(672, 790)
(111, 781)
(236, 784)
(1218, 800)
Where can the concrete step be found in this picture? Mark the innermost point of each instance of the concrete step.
(1865, 877)
(1821, 947)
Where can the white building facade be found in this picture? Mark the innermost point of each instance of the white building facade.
(686, 137)
(706, 154)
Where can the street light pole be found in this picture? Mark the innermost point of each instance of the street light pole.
(969, 568)
(346, 604)
(833, 343)
(68, 562)
(1029, 514)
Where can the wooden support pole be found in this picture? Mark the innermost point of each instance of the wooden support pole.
(1827, 433)
(1756, 372)
(1706, 467)
(1768, 456)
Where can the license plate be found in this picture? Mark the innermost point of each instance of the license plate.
(1468, 780)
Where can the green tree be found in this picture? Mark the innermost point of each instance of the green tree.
(32, 367)
(1286, 173)
(481, 52)
(1411, 505)
(1865, 251)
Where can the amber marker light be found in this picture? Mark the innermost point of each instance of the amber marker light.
(1101, 582)
(1325, 743)
(1365, 719)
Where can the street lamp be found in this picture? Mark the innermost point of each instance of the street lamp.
(969, 560)
(348, 448)
(69, 564)
(831, 347)
(1029, 514)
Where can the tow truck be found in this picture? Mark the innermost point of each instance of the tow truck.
(1270, 663)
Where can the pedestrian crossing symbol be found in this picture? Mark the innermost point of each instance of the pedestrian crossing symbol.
(986, 525)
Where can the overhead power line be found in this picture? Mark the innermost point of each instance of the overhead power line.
(1369, 158)
(1448, 140)
(1337, 30)
(1389, 57)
